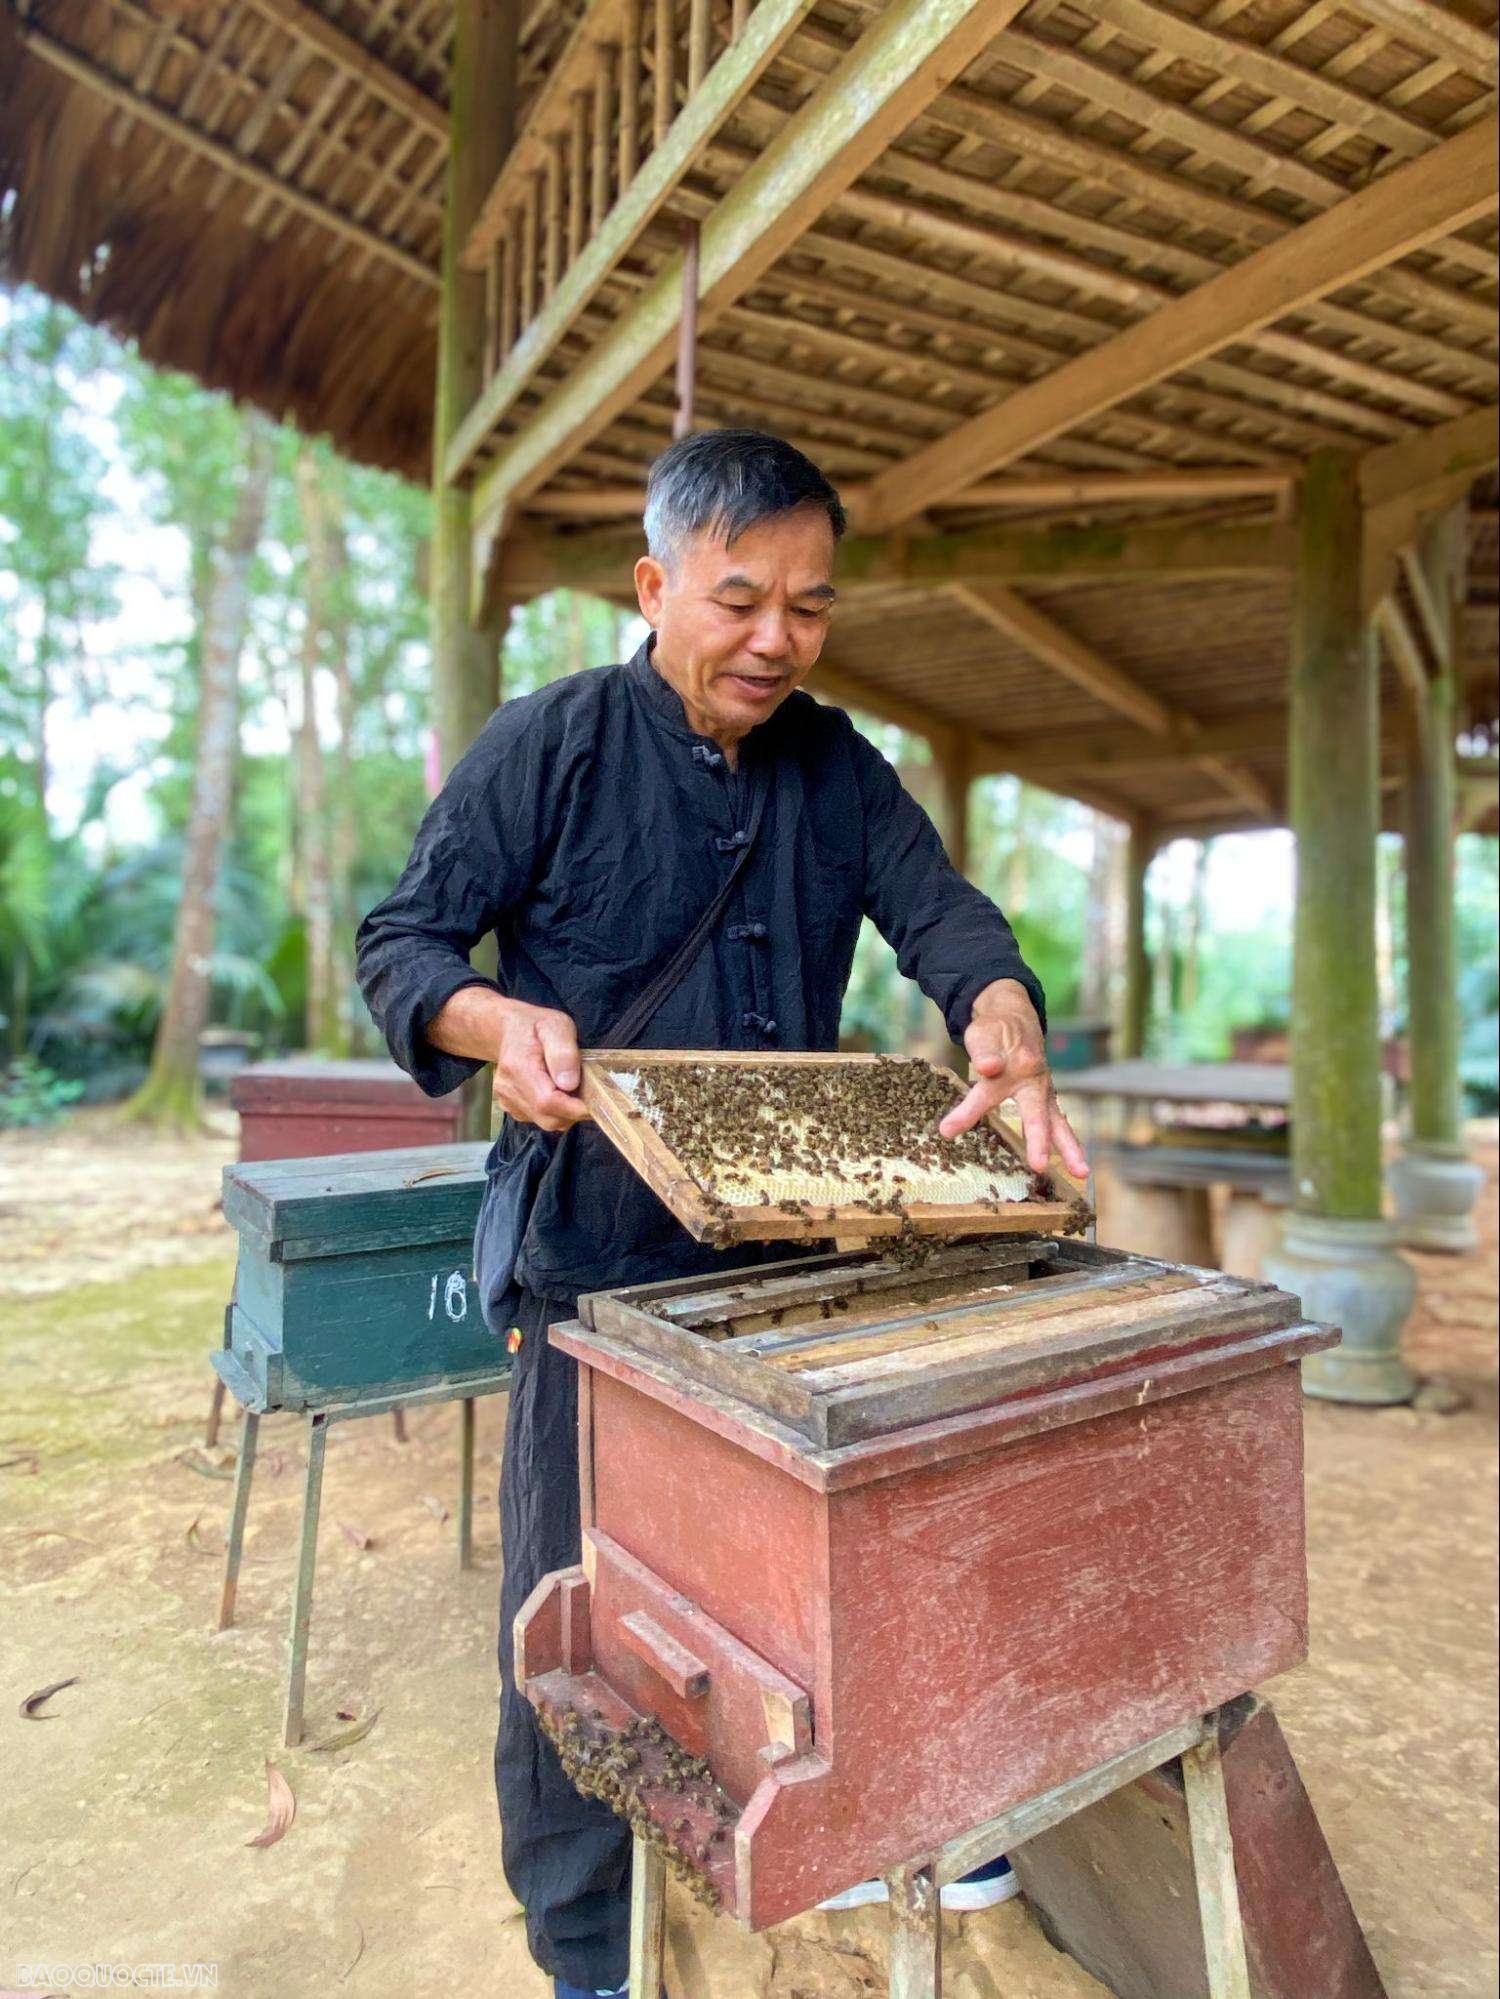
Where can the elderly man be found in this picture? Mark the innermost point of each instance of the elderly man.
(674, 853)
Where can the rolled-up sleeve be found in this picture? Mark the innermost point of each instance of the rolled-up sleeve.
(473, 858)
(947, 934)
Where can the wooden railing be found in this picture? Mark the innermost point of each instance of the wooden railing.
(636, 96)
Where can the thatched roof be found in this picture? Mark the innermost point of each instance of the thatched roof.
(249, 189)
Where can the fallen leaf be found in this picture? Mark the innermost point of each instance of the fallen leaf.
(32, 1702)
(357, 1535)
(204, 1470)
(196, 1541)
(347, 1713)
(29, 1463)
(435, 1507)
(357, 1955)
(281, 1808)
(346, 1737)
(41, 1534)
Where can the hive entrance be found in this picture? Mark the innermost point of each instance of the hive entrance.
(744, 1147)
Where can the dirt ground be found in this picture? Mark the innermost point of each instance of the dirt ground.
(127, 1811)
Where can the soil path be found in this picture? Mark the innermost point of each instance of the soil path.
(123, 1838)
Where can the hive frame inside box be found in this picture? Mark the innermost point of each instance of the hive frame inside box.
(632, 1132)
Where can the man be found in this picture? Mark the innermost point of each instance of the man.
(590, 827)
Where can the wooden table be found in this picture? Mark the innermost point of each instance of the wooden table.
(1163, 1135)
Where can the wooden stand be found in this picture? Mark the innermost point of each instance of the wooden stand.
(916, 1888)
(318, 1421)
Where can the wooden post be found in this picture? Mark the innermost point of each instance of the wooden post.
(466, 658)
(1334, 783)
(687, 334)
(954, 774)
(1336, 1252)
(1433, 1182)
(1136, 1000)
(466, 655)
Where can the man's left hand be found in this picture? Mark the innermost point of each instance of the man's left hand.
(1009, 1060)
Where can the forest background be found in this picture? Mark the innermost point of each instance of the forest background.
(215, 746)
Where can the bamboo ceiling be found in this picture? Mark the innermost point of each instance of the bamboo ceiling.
(252, 189)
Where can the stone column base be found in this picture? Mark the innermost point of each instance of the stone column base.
(1434, 1188)
(1347, 1274)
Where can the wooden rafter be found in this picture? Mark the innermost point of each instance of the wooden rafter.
(1051, 643)
(1416, 204)
(355, 60)
(902, 62)
(165, 122)
(1402, 644)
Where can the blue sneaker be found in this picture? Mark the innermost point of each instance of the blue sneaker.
(561, 1989)
(984, 1888)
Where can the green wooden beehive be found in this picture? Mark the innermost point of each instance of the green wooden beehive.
(355, 1277)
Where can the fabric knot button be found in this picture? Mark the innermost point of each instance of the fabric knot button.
(730, 843)
(710, 759)
(748, 933)
(760, 1022)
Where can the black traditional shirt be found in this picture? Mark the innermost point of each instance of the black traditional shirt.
(589, 827)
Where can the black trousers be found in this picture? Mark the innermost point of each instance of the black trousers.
(566, 1858)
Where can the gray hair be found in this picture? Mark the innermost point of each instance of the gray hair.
(728, 481)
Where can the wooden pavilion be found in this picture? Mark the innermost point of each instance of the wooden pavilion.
(1151, 342)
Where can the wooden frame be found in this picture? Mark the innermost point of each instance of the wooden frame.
(642, 1145)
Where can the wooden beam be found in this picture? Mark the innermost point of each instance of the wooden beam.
(984, 754)
(731, 80)
(1416, 204)
(1402, 644)
(1435, 31)
(81, 70)
(536, 559)
(357, 61)
(901, 62)
(1080, 491)
(1051, 643)
(1429, 462)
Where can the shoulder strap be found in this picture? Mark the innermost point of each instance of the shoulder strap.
(639, 1013)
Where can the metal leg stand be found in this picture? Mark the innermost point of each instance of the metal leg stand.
(466, 1486)
(648, 1921)
(249, 1431)
(916, 1934)
(1213, 1867)
(307, 1556)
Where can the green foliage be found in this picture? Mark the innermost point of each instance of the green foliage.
(31, 1094)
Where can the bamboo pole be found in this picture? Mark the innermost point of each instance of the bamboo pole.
(664, 92)
(529, 253)
(687, 333)
(554, 232)
(700, 22)
(578, 139)
(604, 83)
(629, 90)
(739, 14)
(509, 275)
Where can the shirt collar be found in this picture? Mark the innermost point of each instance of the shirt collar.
(664, 703)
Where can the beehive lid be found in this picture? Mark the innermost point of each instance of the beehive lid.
(297, 1208)
(301, 1082)
(748, 1147)
(843, 1348)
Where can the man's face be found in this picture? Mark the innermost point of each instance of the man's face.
(738, 628)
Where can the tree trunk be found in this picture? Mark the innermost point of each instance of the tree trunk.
(322, 1033)
(171, 1093)
(341, 833)
(1104, 938)
(1192, 943)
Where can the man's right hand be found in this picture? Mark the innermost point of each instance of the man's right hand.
(534, 1050)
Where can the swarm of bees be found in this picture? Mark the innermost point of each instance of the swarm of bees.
(638, 1766)
(869, 1126)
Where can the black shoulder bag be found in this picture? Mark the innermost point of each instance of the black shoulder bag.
(523, 1152)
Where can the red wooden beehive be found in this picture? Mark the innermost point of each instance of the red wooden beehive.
(894, 1550)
